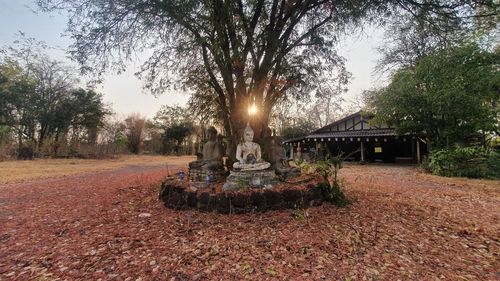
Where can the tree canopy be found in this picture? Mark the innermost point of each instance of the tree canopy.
(40, 99)
(236, 53)
(447, 96)
(176, 123)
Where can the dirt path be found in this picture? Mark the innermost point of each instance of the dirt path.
(402, 225)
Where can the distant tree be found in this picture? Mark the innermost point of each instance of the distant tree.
(5, 131)
(53, 83)
(170, 115)
(299, 129)
(18, 109)
(178, 134)
(40, 102)
(445, 97)
(4, 102)
(89, 112)
(258, 51)
(80, 114)
(135, 125)
(5, 135)
(176, 123)
(114, 131)
(153, 138)
(327, 106)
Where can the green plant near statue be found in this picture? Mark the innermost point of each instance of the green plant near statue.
(328, 169)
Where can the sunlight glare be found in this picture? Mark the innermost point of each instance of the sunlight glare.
(252, 110)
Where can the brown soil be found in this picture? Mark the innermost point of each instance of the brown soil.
(402, 225)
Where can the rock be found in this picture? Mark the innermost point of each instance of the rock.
(165, 190)
(207, 202)
(222, 203)
(175, 200)
(314, 196)
(238, 200)
(203, 200)
(191, 199)
(293, 198)
(177, 195)
(212, 202)
(249, 179)
(274, 199)
(258, 201)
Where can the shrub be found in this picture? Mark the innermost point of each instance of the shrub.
(305, 167)
(471, 162)
(328, 169)
(25, 153)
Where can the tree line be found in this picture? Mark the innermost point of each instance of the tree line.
(44, 111)
(42, 106)
(445, 89)
(235, 54)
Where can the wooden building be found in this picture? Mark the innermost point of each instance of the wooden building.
(354, 136)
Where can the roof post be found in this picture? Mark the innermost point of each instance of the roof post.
(362, 151)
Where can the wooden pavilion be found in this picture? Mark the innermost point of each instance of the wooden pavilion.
(355, 136)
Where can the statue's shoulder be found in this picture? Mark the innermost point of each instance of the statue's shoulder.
(208, 145)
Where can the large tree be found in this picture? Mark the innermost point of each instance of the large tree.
(39, 100)
(409, 38)
(244, 51)
(447, 96)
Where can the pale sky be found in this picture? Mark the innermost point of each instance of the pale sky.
(124, 92)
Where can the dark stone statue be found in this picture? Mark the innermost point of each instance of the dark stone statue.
(280, 162)
(211, 158)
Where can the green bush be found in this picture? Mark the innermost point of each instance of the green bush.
(334, 194)
(471, 162)
(328, 169)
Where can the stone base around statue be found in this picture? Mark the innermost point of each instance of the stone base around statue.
(201, 174)
(288, 173)
(179, 195)
(250, 179)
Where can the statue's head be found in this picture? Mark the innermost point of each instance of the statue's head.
(248, 134)
(212, 133)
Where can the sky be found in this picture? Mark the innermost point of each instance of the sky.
(124, 92)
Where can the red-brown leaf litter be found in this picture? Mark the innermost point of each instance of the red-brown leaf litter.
(402, 225)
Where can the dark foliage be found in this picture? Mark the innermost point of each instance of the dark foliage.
(471, 162)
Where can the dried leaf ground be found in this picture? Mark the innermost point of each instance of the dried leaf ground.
(402, 225)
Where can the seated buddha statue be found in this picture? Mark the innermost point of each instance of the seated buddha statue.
(280, 162)
(249, 154)
(212, 153)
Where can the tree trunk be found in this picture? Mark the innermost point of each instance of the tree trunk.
(19, 140)
(56, 143)
(239, 119)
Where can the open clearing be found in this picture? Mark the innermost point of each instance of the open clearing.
(15, 171)
(109, 224)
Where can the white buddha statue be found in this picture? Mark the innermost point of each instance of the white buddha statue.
(249, 154)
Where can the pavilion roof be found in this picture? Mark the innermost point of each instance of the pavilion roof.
(357, 133)
(353, 126)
